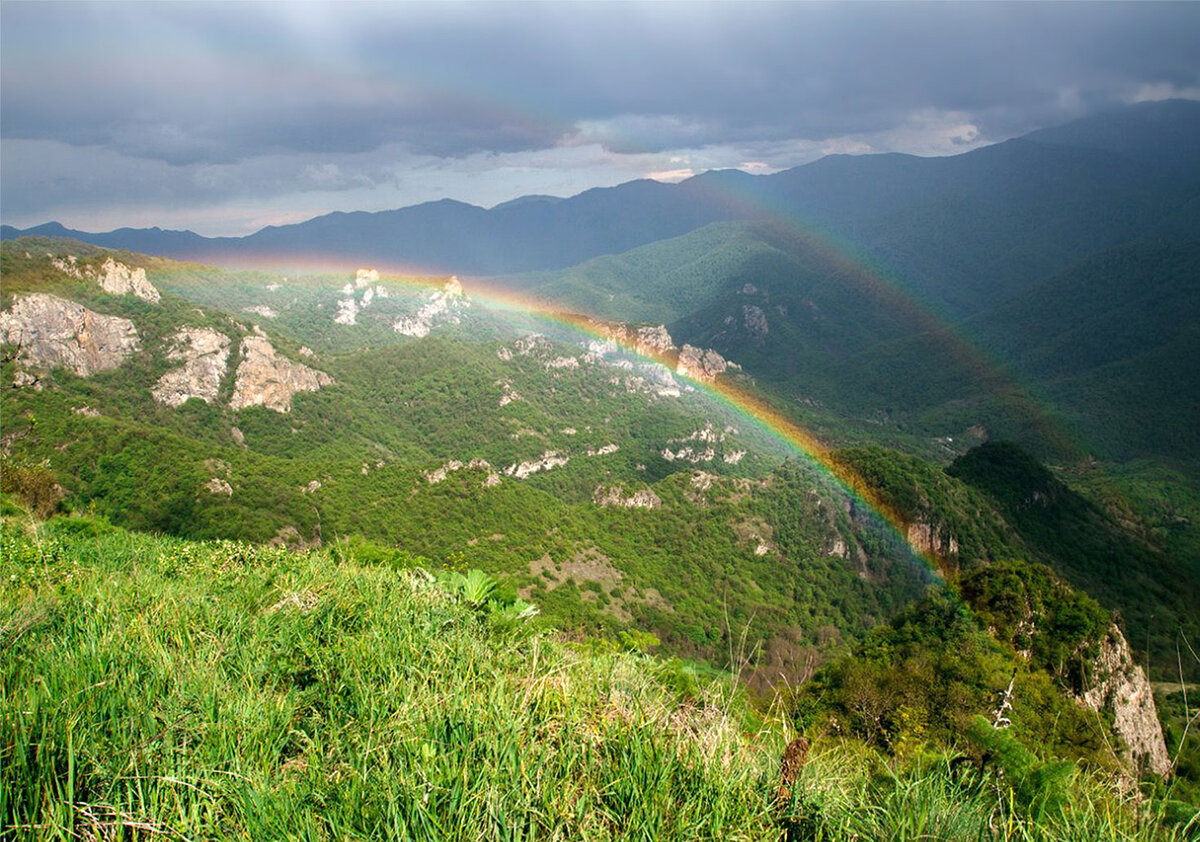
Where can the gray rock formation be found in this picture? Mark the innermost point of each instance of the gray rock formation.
(118, 279)
(216, 485)
(205, 356)
(647, 341)
(652, 341)
(931, 539)
(52, 332)
(700, 364)
(1119, 686)
(614, 496)
(755, 320)
(264, 378)
(113, 277)
(550, 460)
(443, 305)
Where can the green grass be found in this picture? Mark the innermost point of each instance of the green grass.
(157, 687)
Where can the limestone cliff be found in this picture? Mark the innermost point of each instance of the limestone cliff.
(113, 277)
(264, 378)
(700, 364)
(931, 539)
(52, 332)
(614, 496)
(444, 305)
(118, 279)
(205, 356)
(1119, 686)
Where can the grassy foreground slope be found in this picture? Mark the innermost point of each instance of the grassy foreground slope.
(158, 687)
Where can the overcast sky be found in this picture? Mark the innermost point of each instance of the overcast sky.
(226, 117)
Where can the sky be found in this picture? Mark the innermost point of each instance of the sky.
(223, 118)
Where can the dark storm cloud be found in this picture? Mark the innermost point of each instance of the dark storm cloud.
(236, 107)
(188, 83)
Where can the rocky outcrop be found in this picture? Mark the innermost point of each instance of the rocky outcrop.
(688, 454)
(614, 496)
(571, 363)
(216, 485)
(52, 332)
(1119, 686)
(440, 474)
(700, 364)
(113, 277)
(347, 312)
(205, 356)
(755, 320)
(931, 539)
(358, 296)
(649, 341)
(550, 459)
(507, 393)
(444, 305)
(264, 378)
(261, 310)
(707, 434)
(118, 279)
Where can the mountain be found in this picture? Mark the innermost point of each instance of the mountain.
(1093, 359)
(404, 412)
(442, 469)
(219, 404)
(1158, 134)
(958, 232)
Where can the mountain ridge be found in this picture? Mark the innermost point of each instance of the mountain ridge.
(843, 193)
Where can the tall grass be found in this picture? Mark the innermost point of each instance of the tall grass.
(155, 687)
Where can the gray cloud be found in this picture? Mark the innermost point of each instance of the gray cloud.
(259, 100)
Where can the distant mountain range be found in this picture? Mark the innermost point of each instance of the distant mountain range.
(959, 230)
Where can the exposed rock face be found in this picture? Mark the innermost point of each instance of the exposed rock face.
(613, 496)
(534, 344)
(653, 340)
(550, 459)
(688, 454)
(647, 341)
(347, 313)
(53, 332)
(216, 485)
(708, 434)
(440, 474)
(755, 320)
(928, 538)
(444, 306)
(700, 364)
(118, 279)
(261, 310)
(1120, 686)
(205, 356)
(114, 278)
(266, 379)
(562, 362)
(507, 393)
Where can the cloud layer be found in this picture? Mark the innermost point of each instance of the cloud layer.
(223, 117)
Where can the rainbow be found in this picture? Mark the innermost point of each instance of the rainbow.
(741, 402)
(873, 281)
